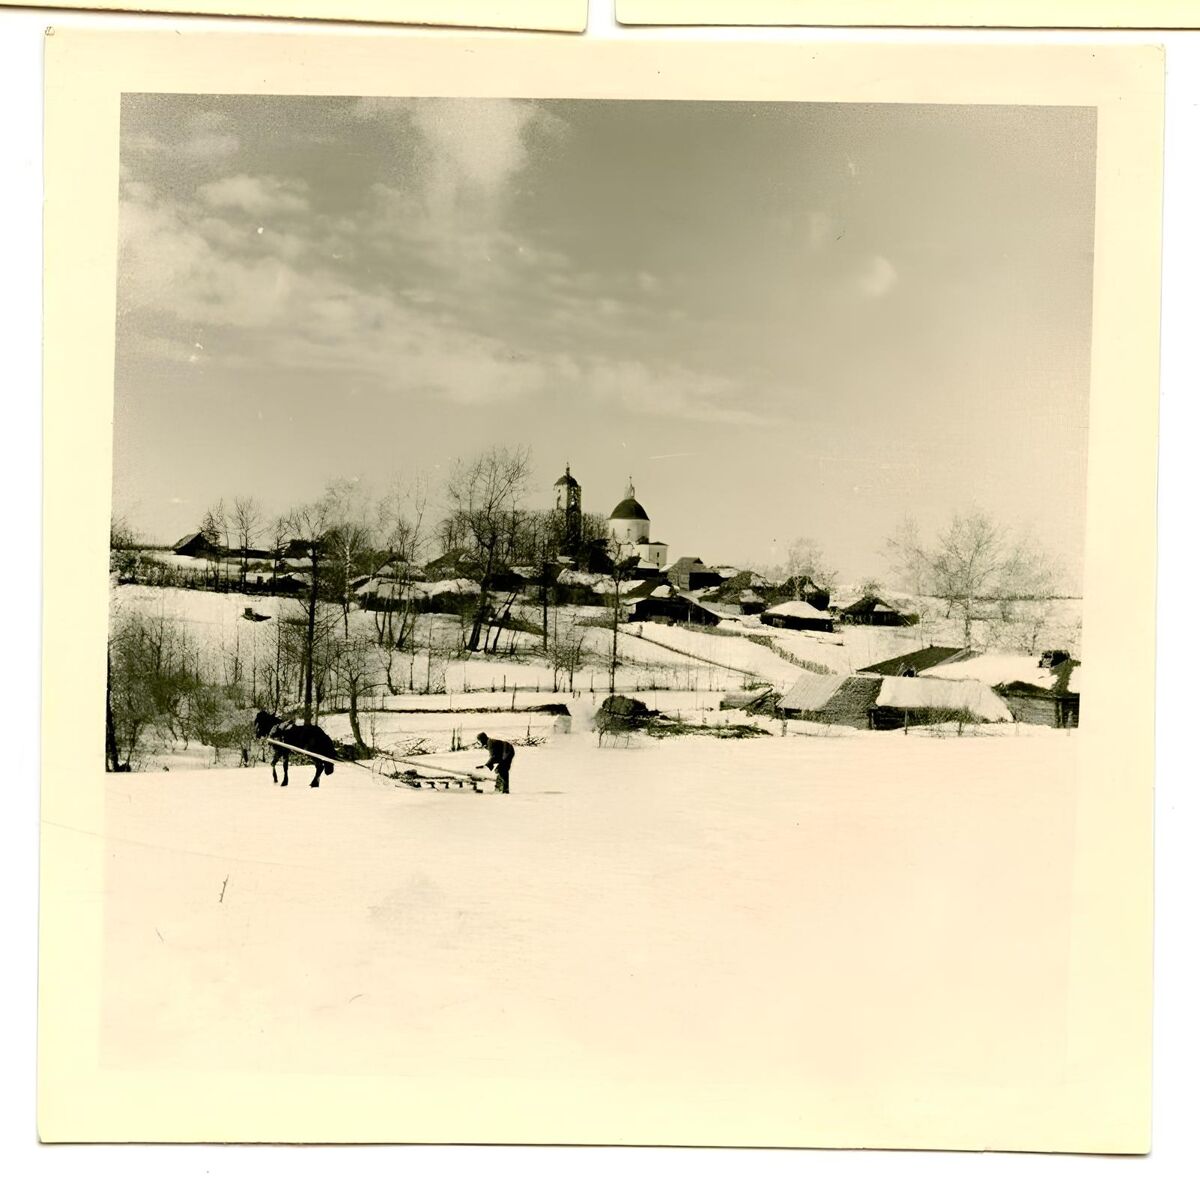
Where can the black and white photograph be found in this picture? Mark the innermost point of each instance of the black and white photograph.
(600, 590)
(666, 457)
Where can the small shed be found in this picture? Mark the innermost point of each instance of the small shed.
(690, 574)
(872, 610)
(667, 607)
(797, 614)
(1034, 692)
(904, 702)
(448, 595)
(1031, 704)
(196, 545)
(844, 699)
(735, 586)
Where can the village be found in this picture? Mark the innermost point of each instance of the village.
(696, 757)
(570, 622)
(589, 581)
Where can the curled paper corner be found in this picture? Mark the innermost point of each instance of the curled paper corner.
(546, 16)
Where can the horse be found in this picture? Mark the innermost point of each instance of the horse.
(304, 736)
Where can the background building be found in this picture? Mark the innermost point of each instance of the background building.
(629, 531)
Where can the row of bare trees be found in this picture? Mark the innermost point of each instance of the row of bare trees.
(979, 570)
(975, 568)
(318, 652)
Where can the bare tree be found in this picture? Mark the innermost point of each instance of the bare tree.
(483, 496)
(974, 564)
(120, 533)
(399, 517)
(352, 669)
(623, 568)
(312, 526)
(805, 557)
(248, 521)
(566, 650)
(154, 674)
(123, 559)
(214, 527)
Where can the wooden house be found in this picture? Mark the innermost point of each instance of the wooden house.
(797, 614)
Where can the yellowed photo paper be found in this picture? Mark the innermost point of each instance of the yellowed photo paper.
(562, 16)
(587, 591)
(1038, 14)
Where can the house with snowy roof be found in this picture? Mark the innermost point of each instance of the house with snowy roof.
(666, 606)
(196, 545)
(797, 614)
(1034, 693)
(690, 574)
(907, 702)
(845, 699)
(874, 610)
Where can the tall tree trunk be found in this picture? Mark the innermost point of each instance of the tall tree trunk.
(310, 642)
(111, 755)
(359, 743)
(278, 661)
(480, 615)
(612, 665)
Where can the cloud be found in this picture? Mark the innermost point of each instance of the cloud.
(257, 196)
(181, 275)
(476, 147)
(203, 138)
(469, 249)
(878, 278)
(469, 151)
(425, 291)
(671, 391)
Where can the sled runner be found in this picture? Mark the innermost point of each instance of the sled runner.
(436, 778)
(418, 781)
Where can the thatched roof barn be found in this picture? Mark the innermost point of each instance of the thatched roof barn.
(844, 699)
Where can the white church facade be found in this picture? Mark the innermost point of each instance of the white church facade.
(629, 531)
(628, 526)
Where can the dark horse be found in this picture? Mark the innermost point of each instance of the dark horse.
(304, 736)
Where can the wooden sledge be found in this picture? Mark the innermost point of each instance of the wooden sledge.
(438, 778)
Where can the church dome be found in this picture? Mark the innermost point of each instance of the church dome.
(629, 510)
(566, 480)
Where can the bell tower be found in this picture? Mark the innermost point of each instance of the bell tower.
(568, 503)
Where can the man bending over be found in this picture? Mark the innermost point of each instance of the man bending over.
(500, 758)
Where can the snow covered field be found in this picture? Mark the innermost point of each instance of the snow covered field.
(678, 909)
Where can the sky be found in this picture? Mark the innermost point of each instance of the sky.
(782, 320)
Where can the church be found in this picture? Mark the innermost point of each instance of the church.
(629, 530)
(628, 524)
